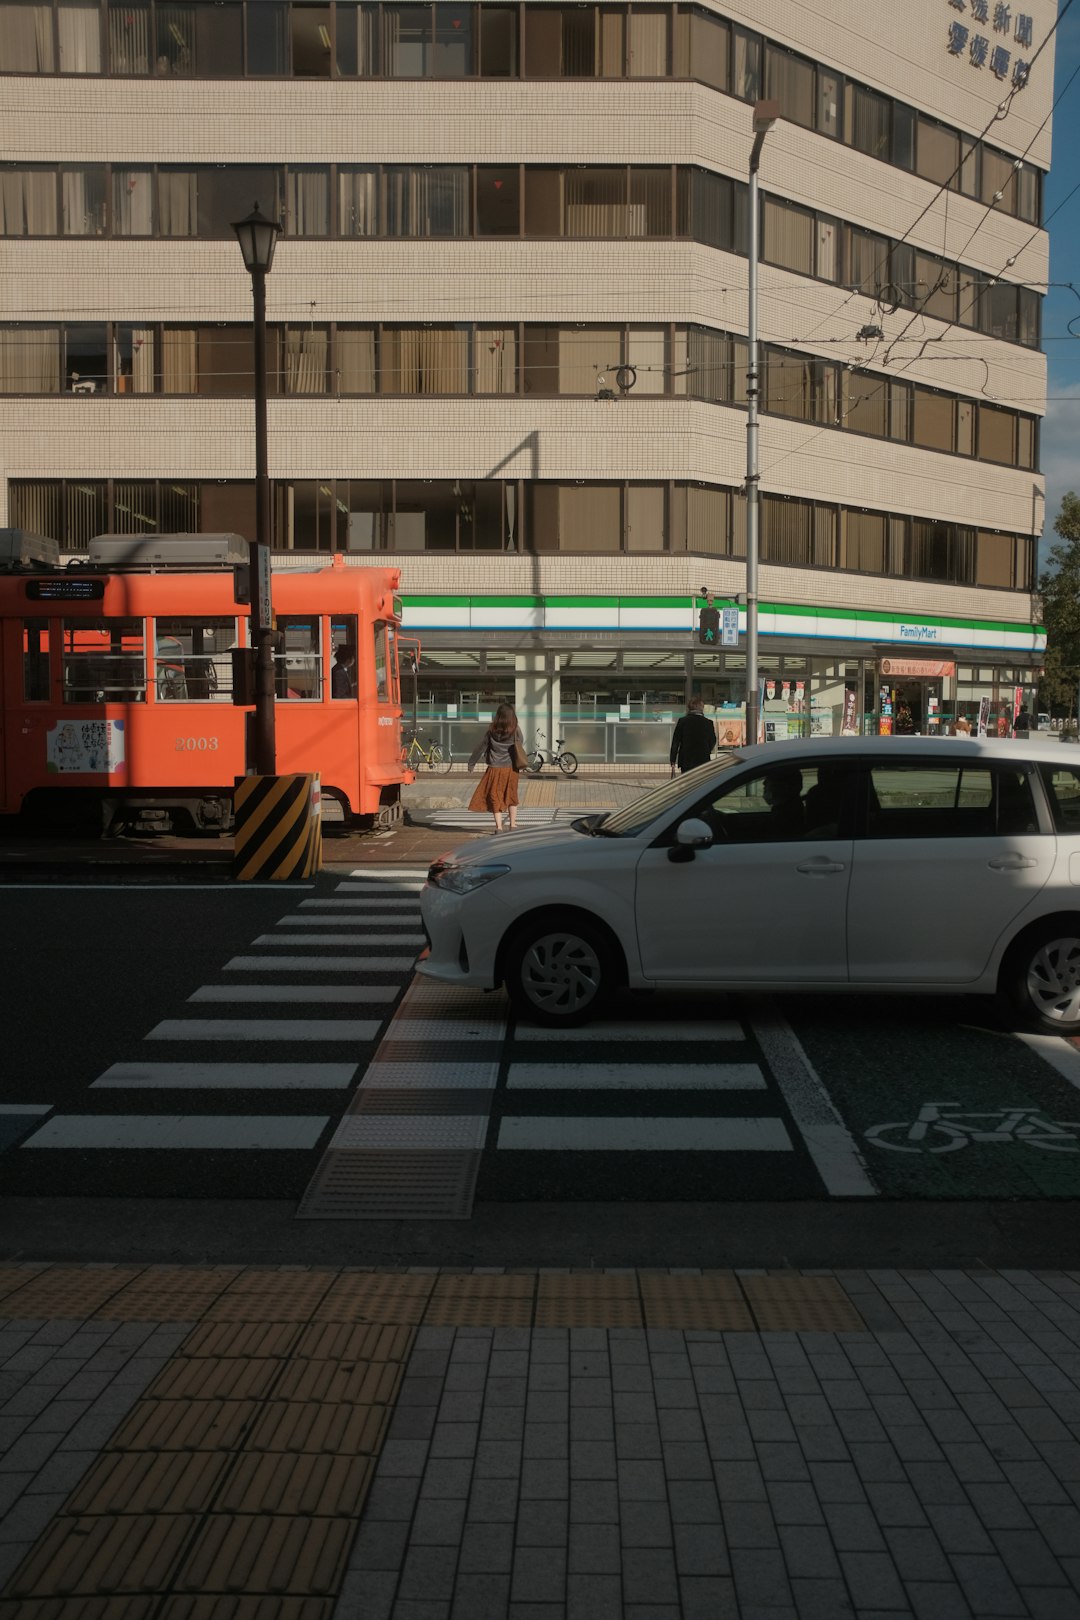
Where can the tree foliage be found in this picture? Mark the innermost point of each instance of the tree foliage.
(1059, 604)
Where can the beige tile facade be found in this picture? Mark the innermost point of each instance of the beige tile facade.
(900, 49)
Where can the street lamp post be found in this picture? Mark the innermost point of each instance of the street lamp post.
(765, 116)
(258, 236)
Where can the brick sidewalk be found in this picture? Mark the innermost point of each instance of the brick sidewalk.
(377, 1445)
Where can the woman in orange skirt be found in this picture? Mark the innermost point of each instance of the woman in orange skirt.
(497, 790)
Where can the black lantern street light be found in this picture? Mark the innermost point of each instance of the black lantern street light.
(258, 236)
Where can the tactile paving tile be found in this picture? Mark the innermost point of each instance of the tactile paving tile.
(313, 1426)
(268, 1295)
(390, 1185)
(199, 1378)
(794, 1304)
(304, 1483)
(355, 1341)
(395, 1068)
(464, 1300)
(396, 1298)
(62, 1292)
(305, 1557)
(232, 1607)
(587, 1300)
(87, 1608)
(430, 1132)
(114, 1555)
(362, 1383)
(13, 1277)
(387, 1100)
(149, 1482)
(169, 1293)
(710, 1302)
(184, 1426)
(241, 1339)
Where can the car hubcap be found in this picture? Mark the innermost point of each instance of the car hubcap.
(1053, 980)
(561, 973)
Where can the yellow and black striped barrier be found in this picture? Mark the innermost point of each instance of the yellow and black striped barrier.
(278, 832)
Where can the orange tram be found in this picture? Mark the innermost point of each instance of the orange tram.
(117, 707)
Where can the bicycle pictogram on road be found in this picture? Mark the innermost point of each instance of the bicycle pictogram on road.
(946, 1127)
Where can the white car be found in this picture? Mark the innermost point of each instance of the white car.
(882, 864)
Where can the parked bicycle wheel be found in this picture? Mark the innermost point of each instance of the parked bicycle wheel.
(446, 760)
(568, 764)
(536, 763)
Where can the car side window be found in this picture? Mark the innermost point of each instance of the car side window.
(1062, 785)
(779, 804)
(912, 799)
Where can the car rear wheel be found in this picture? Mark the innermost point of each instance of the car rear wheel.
(1043, 979)
(559, 972)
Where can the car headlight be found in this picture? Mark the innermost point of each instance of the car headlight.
(463, 879)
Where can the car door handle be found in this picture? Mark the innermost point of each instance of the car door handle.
(1011, 863)
(820, 867)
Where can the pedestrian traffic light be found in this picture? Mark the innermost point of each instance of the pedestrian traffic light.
(709, 626)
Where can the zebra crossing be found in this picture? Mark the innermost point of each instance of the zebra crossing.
(283, 1023)
(285, 1075)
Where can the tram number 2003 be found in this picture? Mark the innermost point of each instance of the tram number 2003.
(196, 745)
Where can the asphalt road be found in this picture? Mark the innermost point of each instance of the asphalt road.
(202, 1042)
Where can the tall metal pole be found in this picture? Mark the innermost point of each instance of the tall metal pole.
(765, 114)
(265, 751)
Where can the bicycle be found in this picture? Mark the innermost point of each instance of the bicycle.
(561, 757)
(416, 754)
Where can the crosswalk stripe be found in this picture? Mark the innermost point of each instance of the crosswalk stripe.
(394, 874)
(339, 919)
(363, 938)
(170, 1131)
(226, 1076)
(264, 1029)
(319, 964)
(636, 1029)
(554, 1133)
(404, 891)
(295, 992)
(635, 1077)
(400, 902)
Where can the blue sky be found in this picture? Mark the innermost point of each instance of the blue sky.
(1061, 430)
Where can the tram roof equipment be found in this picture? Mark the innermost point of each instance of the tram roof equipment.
(20, 550)
(192, 552)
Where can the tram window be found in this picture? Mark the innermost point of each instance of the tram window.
(35, 660)
(104, 661)
(192, 663)
(299, 664)
(386, 685)
(343, 676)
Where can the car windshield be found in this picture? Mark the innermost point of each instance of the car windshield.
(634, 818)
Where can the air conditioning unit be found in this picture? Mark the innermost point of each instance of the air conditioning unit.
(21, 549)
(183, 551)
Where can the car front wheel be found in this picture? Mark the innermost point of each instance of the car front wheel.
(559, 972)
(1043, 979)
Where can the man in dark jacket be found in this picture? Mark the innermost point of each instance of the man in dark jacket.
(694, 738)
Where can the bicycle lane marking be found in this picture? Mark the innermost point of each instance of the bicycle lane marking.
(942, 1109)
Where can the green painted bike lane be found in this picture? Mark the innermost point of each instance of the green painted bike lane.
(942, 1102)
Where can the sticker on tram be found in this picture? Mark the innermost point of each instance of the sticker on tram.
(88, 746)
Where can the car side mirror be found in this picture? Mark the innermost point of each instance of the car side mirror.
(690, 835)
